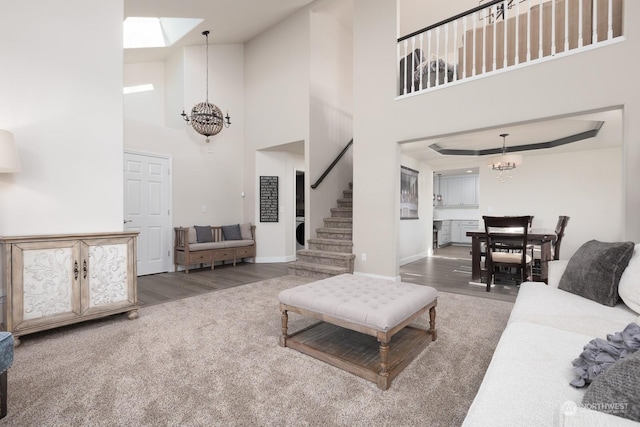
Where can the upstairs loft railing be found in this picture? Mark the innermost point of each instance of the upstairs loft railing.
(475, 42)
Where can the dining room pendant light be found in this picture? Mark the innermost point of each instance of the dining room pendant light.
(207, 118)
(504, 163)
(439, 196)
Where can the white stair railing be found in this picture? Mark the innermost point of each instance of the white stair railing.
(501, 34)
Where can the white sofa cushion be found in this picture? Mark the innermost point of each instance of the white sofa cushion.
(544, 305)
(629, 286)
(527, 382)
(556, 270)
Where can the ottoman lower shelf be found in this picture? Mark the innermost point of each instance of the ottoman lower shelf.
(359, 353)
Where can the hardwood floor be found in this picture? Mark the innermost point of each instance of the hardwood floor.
(447, 271)
(164, 287)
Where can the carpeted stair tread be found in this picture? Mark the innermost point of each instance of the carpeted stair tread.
(337, 242)
(319, 268)
(327, 254)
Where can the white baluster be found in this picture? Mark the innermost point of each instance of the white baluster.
(504, 43)
(580, 11)
(553, 27)
(566, 25)
(517, 58)
(540, 51)
(455, 49)
(429, 59)
(493, 60)
(475, 24)
(610, 23)
(528, 30)
(446, 53)
(413, 63)
(437, 55)
(595, 22)
(406, 60)
(484, 47)
(464, 47)
(421, 55)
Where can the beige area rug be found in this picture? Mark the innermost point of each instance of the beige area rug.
(214, 359)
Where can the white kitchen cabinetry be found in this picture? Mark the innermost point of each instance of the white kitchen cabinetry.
(52, 281)
(459, 231)
(444, 233)
(459, 191)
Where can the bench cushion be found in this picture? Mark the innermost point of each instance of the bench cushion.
(369, 302)
(204, 246)
(237, 243)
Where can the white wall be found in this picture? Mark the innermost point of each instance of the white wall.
(276, 94)
(145, 106)
(276, 240)
(331, 106)
(563, 86)
(61, 96)
(299, 88)
(584, 185)
(205, 176)
(415, 236)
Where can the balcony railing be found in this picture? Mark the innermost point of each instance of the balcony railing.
(475, 42)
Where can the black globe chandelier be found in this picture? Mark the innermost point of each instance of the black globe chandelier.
(207, 118)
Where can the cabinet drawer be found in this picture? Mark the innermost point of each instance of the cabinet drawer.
(224, 255)
(244, 252)
(201, 256)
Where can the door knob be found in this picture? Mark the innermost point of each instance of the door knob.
(127, 220)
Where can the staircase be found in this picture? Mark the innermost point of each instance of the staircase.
(330, 254)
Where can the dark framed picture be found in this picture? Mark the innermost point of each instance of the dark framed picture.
(408, 193)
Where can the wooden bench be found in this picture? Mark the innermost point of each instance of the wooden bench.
(187, 251)
(352, 310)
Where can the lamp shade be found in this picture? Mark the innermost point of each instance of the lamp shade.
(9, 161)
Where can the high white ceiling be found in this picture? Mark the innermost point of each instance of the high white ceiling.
(230, 21)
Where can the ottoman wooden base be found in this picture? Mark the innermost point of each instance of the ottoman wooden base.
(358, 353)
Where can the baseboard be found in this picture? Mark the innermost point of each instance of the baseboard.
(415, 257)
(275, 259)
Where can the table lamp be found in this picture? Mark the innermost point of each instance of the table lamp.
(9, 161)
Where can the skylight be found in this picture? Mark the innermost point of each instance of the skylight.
(141, 32)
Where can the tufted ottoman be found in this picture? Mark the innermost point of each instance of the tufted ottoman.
(351, 310)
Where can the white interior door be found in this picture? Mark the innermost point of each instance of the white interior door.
(147, 189)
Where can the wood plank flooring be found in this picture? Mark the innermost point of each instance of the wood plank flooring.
(447, 271)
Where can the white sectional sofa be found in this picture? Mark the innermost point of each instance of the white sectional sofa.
(527, 381)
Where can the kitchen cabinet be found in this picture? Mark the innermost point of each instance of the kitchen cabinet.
(459, 191)
(459, 230)
(52, 281)
(444, 232)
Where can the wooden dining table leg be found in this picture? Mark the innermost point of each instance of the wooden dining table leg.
(476, 270)
(545, 257)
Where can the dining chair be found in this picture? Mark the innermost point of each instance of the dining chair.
(506, 240)
(555, 246)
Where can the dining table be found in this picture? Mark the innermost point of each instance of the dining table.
(535, 236)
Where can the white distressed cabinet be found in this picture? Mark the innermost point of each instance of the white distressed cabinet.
(52, 281)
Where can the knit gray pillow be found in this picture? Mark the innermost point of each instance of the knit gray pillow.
(615, 391)
(231, 232)
(203, 233)
(594, 271)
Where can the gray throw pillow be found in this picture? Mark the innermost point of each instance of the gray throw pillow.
(231, 232)
(203, 233)
(615, 391)
(595, 269)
